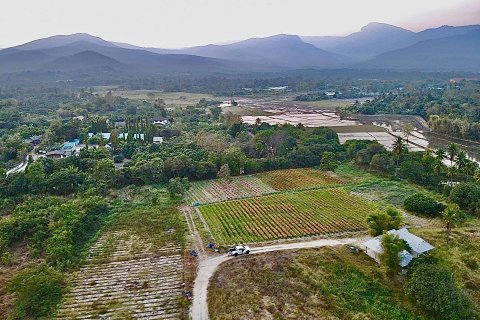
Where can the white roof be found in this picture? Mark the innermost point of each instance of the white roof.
(105, 135)
(417, 244)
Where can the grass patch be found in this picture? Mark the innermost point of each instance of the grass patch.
(325, 283)
(461, 257)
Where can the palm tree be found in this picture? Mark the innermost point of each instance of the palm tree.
(477, 176)
(407, 129)
(452, 152)
(452, 216)
(471, 169)
(461, 159)
(399, 148)
(440, 156)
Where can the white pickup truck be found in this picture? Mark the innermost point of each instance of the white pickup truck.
(238, 250)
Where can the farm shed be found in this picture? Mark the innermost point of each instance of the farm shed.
(418, 246)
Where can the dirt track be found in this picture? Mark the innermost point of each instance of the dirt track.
(208, 266)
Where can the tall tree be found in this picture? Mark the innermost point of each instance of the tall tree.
(452, 216)
(399, 148)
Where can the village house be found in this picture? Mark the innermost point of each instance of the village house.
(120, 124)
(157, 140)
(59, 154)
(160, 121)
(34, 140)
(418, 246)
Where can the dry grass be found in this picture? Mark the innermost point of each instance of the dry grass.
(326, 283)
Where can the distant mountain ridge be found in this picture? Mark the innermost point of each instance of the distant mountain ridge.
(375, 46)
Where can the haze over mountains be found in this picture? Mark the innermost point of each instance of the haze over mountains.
(375, 46)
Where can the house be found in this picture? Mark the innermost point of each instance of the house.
(59, 154)
(34, 140)
(160, 121)
(105, 135)
(71, 145)
(330, 93)
(136, 136)
(418, 246)
(157, 140)
(120, 124)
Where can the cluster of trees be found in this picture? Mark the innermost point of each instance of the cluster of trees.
(455, 127)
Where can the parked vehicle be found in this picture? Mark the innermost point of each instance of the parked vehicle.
(238, 250)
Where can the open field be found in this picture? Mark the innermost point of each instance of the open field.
(208, 191)
(287, 215)
(170, 98)
(330, 104)
(299, 178)
(135, 270)
(325, 283)
(308, 119)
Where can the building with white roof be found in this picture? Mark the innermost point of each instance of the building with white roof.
(418, 246)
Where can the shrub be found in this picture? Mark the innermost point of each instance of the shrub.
(432, 288)
(118, 158)
(37, 290)
(420, 203)
(467, 196)
(379, 222)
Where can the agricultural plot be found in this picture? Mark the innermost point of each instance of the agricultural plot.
(287, 215)
(299, 179)
(220, 190)
(130, 274)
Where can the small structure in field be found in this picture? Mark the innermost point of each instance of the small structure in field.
(157, 140)
(162, 121)
(120, 124)
(417, 246)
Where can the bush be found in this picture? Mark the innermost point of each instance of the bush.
(379, 222)
(37, 291)
(118, 158)
(433, 289)
(467, 196)
(420, 203)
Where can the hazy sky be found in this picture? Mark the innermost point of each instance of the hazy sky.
(180, 23)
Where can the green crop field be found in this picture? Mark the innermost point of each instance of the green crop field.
(287, 215)
(299, 178)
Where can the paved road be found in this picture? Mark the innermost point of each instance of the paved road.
(208, 266)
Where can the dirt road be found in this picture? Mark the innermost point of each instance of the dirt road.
(208, 266)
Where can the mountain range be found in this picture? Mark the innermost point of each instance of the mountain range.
(376, 46)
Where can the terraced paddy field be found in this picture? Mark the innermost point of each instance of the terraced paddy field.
(287, 215)
(217, 190)
(299, 178)
(133, 271)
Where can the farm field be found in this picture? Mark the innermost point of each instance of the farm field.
(135, 270)
(324, 283)
(286, 215)
(170, 98)
(209, 191)
(299, 178)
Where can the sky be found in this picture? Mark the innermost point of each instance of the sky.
(183, 23)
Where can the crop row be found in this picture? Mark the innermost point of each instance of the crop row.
(221, 190)
(299, 178)
(289, 215)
